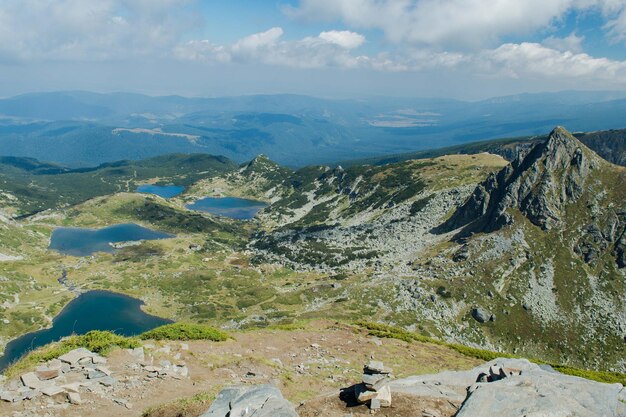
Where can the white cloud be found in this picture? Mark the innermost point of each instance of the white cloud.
(328, 49)
(259, 40)
(555, 59)
(90, 29)
(533, 59)
(572, 43)
(343, 38)
(457, 23)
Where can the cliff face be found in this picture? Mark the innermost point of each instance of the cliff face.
(540, 183)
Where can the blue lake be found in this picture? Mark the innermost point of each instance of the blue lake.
(233, 207)
(93, 310)
(165, 191)
(84, 242)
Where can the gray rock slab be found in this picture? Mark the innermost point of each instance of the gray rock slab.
(257, 401)
(31, 380)
(541, 393)
(74, 356)
(221, 405)
(52, 390)
(535, 392)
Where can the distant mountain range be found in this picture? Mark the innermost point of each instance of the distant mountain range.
(85, 129)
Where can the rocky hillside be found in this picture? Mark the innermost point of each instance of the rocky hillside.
(429, 237)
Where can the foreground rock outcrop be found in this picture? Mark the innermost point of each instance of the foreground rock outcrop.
(258, 401)
(503, 388)
(517, 387)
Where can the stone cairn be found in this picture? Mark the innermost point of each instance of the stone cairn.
(374, 390)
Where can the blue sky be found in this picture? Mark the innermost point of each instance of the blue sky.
(467, 49)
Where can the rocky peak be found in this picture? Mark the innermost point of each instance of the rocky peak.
(539, 183)
(261, 164)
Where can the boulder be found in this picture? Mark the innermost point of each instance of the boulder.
(480, 315)
(257, 401)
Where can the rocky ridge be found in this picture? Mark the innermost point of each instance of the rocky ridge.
(538, 183)
(555, 215)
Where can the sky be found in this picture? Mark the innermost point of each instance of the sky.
(465, 49)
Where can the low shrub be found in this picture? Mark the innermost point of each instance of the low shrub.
(185, 331)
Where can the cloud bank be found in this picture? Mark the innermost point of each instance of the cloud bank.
(489, 39)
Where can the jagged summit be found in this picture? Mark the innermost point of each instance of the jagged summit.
(539, 183)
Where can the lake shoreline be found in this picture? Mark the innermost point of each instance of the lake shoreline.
(132, 301)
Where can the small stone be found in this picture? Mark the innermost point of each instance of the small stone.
(31, 394)
(138, 353)
(74, 398)
(165, 349)
(99, 360)
(85, 361)
(182, 371)
(371, 379)
(376, 367)
(151, 368)
(107, 381)
(31, 380)
(364, 395)
(375, 404)
(384, 396)
(73, 387)
(47, 374)
(96, 375)
(104, 370)
(184, 346)
(8, 396)
(52, 390)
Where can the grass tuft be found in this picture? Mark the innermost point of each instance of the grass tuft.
(185, 331)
